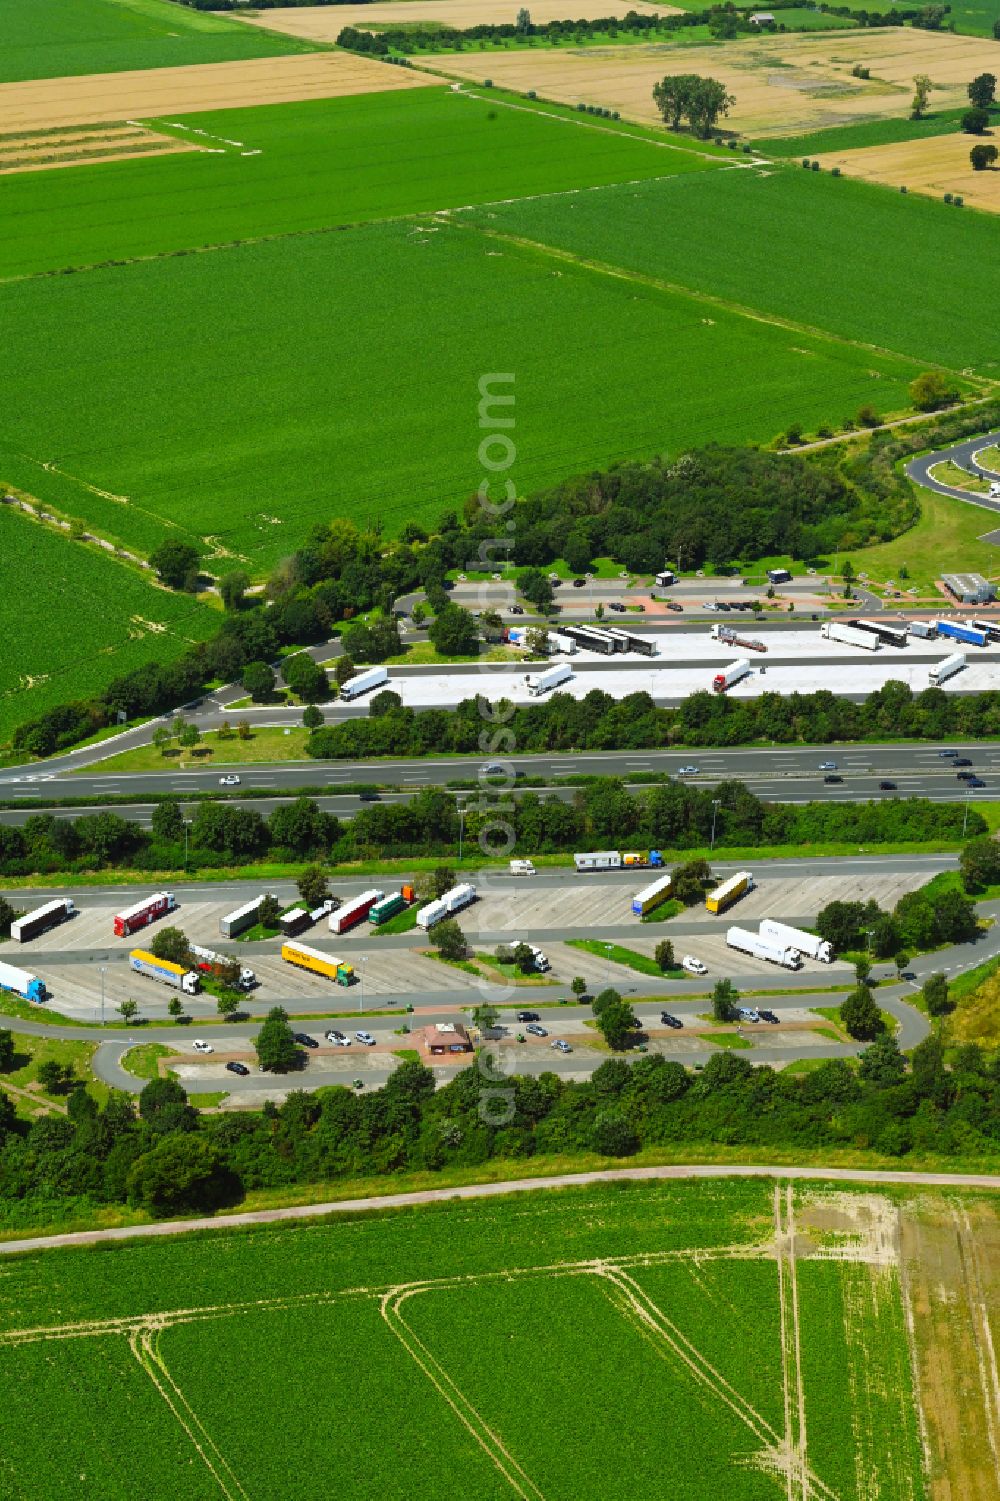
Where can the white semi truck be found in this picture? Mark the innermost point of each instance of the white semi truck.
(549, 679)
(446, 906)
(364, 682)
(759, 948)
(730, 675)
(849, 635)
(941, 671)
(808, 944)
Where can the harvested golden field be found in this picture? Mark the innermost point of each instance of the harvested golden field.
(935, 165)
(76, 146)
(157, 91)
(323, 23)
(783, 85)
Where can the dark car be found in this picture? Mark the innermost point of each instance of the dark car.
(975, 782)
(963, 761)
(579, 583)
(672, 604)
(369, 797)
(670, 1021)
(304, 1040)
(527, 1016)
(516, 610)
(238, 1068)
(966, 776)
(768, 1016)
(832, 777)
(887, 787)
(617, 606)
(723, 607)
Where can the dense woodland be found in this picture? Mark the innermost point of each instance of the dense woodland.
(712, 506)
(603, 813)
(169, 1159)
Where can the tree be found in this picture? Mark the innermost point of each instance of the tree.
(537, 642)
(616, 1023)
(672, 96)
(524, 958)
(344, 668)
(175, 1007)
(448, 939)
(982, 91)
(901, 961)
(664, 954)
(176, 564)
(454, 632)
(605, 998)
(932, 390)
(171, 944)
(306, 678)
(442, 880)
(55, 1077)
(996, 30)
(982, 157)
(935, 994)
(275, 1046)
(6, 1050)
(882, 1064)
(578, 985)
(7, 916)
(860, 1015)
(270, 911)
(979, 863)
(243, 730)
(259, 681)
(228, 1002)
(168, 820)
(312, 717)
(724, 1000)
(975, 122)
(485, 1017)
(523, 23)
(128, 1010)
(537, 589)
(688, 884)
(314, 888)
(613, 1134)
(189, 736)
(181, 1172)
(839, 923)
(922, 86)
(232, 587)
(162, 738)
(160, 1096)
(707, 102)
(862, 969)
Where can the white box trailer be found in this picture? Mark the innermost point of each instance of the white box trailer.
(849, 635)
(21, 982)
(244, 917)
(549, 679)
(564, 644)
(759, 948)
(941, 671)
(808, 944)
(32, 924)
(730, 675)
(598, 860)
(925, 630)
(446, 905)
(364, 682)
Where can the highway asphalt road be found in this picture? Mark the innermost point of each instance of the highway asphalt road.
(789, 773)
(493, 1190)
(962, 454)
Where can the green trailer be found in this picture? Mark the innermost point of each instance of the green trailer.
(387, 907)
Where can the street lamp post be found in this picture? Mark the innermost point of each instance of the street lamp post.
(102, 970)
(608, 948)
(364, 961)
(461, 830)
(187, 826)
(965, 820)
(716, 804)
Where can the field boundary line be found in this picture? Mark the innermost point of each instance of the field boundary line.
(989, 1379)
(660, 1172)
(143, 1347)
(467, 1414)
(711, 299)
(910, 1325)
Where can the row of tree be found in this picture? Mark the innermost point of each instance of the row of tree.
(168, 1159)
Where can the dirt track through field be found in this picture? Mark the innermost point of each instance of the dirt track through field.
(323, 23)
(168, 91)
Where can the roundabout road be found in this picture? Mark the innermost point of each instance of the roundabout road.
(962, 454)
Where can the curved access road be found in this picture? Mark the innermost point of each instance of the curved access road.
(964, 455)
(493, 1190)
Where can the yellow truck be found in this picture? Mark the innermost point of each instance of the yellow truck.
(320, 964)
(729, 892)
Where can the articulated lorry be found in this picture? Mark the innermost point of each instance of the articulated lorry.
(729, 892)
(849, 635)
(168, 973)
(446, 906)
(389, 906)
(942, 671)
(32, 924)
(889, 635)
(970, 634)
(354, 911)
(244, 917)
(729, 637)
(760, 948)
(642, 860)
(730, 675)
(808, 944)
(20, 982)
(364, 682)
(651, 896)
(143, 913)
(549, 679)
(208, 959)
(318, 964)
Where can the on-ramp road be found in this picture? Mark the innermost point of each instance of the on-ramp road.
(491, 1190)
(963, 454)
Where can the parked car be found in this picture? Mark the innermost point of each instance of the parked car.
(238, 1068)
(561, 1046)
(721, 605)
(232, 780)
(828, 766)
(534, 1030)
(202, 1047)
(670, 1021)
(693, 966)
(365, 1038)
(527, 1016)
(748, 1014)
(672, 604)
(617, 606)
(769, 1016)
(304, 1040)
(517, 610)
(339, 1039)
(579, 583)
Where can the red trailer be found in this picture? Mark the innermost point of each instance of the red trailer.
(353, 912)
(143, 913)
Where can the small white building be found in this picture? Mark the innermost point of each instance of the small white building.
(762, 18)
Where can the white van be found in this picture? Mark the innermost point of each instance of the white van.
(522, 868)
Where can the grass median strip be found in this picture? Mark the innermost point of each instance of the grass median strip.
(616, 954)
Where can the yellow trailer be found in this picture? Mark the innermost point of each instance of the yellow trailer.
(319, 964)
(729, 892)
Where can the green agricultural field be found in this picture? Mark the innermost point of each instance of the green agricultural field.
(341, 376)
(865, 133)
(973, 17)
(57, 38)
(785, 242)
(745, 1341)
(71, 619)
(321, 163)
